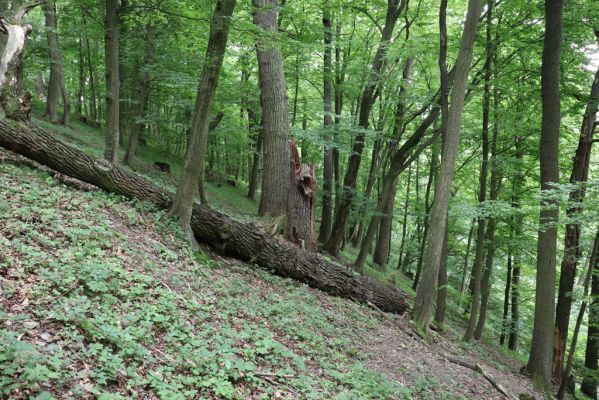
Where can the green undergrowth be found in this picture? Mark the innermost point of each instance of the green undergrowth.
(102, 298)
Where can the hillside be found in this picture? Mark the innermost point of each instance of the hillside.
(102, 298)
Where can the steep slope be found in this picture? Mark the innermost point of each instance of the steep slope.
(101, 298)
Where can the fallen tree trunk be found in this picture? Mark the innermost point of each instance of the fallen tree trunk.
(246, 241)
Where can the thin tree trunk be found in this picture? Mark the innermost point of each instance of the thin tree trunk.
(256, 158)
(93, 116)
(81, 89)
(506, 300)
(326, 223)
(490, 240)
(195, 157)
(593, 266)
(423, 305)
(442, 287)
(404, 226)
(477, 268)
(141, 95)
(275, 108)
(463, 283)
(111, 49)
(394, 9)
(383, 241)
(572, 236)
(56, 85)
(591, 356)
(518, 222)
(539, 363)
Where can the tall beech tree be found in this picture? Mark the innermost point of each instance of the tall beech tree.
(327, 184)
(477, 268)
(425, 295)
(56, 84)
(572, 235)
(194, 159)
(111, 57)
(275, 109)
(539, 362)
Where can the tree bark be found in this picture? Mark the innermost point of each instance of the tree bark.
(506, 300)
(81, 88)
(572, 236)
(300, 208)
(195, 158)
(246, 241)
(593, 266)
(404, 225)
(56, 83)
(141, 95)
(477, 268)
(275, 109)
(423, 306)
(254, 127)
(591, 356)
(442, 287)
(15, 105)
(394, 9)
(518, 222)
(539, 362)
(111, 60)
(93, 109)
(326, 223)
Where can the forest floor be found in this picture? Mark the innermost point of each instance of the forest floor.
(101, 297)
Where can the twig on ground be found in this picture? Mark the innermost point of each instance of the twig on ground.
(479, 369)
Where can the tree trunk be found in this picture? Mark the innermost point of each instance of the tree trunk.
(579, 176)
(423, 306)
(539, 363)
(93, 116)
(593, 266)
(464, 282)
(275, 109)
(247, 241)
(404, 226)
(195, 156)
(505, 325)
(15, 105)
(255, 171)
(394, 9)
(81, 89)
(477, 268)
(327, 172)
(442, 287)
(401, 159)
(41, 87)
(383, 241)
(141, 95)
(300, 212)
(518, 222)
(591, 356)
(490, 240)
(111, 51)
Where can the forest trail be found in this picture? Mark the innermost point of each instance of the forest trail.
(158, 321)
(405, 358)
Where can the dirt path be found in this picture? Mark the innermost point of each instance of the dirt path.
(424, 367)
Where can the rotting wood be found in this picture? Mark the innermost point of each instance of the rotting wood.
(246, 241)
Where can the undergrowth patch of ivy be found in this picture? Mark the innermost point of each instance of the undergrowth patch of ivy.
(102, 298)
